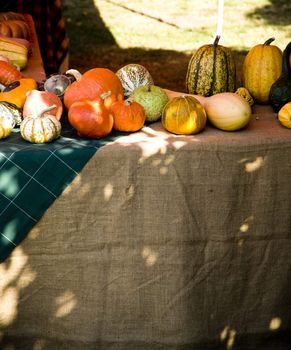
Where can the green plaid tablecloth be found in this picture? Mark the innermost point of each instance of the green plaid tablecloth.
(32, 176)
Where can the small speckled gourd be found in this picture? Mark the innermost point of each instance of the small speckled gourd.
(211, 70)
(41, 129)
(10, 111)
(132, 76)
(243, 92)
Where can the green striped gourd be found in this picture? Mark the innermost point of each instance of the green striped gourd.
(211, 70)
(133, 76)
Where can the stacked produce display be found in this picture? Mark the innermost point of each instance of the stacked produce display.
(100, 100)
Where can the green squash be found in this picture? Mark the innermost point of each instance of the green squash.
(280, 92)
(211, 70)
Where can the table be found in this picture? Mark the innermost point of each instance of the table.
(161, 242)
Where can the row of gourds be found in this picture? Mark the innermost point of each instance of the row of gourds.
(100, 100)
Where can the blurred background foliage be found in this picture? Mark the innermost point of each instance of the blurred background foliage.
(163, 34)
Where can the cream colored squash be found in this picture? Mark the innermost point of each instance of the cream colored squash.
(228, 111)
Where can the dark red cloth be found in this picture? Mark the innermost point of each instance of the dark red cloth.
(50, 29)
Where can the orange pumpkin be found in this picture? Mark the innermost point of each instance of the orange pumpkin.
(38, 101)
(92, 85)
(128, 115)
(91, 118)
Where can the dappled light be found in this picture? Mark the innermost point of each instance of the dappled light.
(34, 233)
(155, 141)
(39, 344)
(8, 306)
(150, 256)
(65, 304)
(5, 180)
(13, 278)
(228, 336)
(245, 226)
(253, 165)
(108, 192)
(275, 323)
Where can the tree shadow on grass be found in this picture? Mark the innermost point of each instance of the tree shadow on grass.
(167, 67)
(81, 18)
(277, 12)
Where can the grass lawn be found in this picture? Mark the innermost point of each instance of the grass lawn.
(162, 34)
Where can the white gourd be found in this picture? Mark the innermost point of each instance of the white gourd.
(132, 76)
(7, 123)
(41, 129)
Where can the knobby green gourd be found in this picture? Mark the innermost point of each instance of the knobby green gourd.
(280, 92)
(41, 129)
(211, 70)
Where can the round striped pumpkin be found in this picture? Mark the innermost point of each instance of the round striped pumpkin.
(133, 76)
(184, 115)
(211, 70)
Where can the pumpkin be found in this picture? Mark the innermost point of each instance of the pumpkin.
(243, 92)
(262, 66)
(7, 123)
(8, 73)
(42, 128)
(37, 101)
(284, 115)
(10, 111)
(16, 92)
(184, 115)
(132, 76)
(211, 70)
(128, 115)
(228, 111)
(92, 85)
(91, 119)
(14, 29)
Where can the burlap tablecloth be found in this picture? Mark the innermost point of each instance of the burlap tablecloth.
(162, 242)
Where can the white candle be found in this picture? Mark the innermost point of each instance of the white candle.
(219, 18)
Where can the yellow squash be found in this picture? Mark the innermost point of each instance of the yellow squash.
(261, 68)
